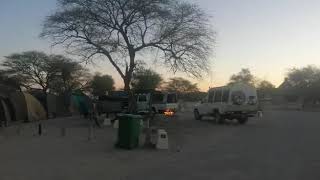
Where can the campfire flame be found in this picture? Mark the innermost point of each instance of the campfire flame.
(168, 112)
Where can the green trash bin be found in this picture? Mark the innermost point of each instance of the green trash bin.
(128, 131)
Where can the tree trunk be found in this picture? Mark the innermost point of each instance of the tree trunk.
(126, 82)
(132, 104)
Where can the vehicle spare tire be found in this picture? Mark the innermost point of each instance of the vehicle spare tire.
(238, 97)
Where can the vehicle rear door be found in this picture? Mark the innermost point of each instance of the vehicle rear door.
(206, 105)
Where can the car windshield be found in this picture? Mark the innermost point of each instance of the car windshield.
(171, 98)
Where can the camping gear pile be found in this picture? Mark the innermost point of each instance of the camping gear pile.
(20, 106)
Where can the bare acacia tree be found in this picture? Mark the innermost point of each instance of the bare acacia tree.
(32, 68)
(121, 29)
(50, 73)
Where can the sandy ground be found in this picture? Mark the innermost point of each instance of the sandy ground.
(281, 145)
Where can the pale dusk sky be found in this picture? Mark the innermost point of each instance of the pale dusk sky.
(266, 36)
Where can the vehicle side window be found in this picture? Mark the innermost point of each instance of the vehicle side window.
(210, 97)
(142, 98)
(172, 98)
(218, 96)
(157, 98)
(225, 95)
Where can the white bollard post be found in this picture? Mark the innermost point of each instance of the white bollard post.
(107, 122)
(116, 124)
(162, 141)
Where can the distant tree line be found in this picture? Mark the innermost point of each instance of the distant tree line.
(55, 74)
(265, 89)
(147, 79)
(300, 83)
(304, 83)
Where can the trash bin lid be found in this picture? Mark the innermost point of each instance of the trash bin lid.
(130, 115)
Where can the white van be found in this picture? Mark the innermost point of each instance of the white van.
(158, 102)
(237, 101)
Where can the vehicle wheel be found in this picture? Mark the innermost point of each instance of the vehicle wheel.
(197, 115)
(243, 120)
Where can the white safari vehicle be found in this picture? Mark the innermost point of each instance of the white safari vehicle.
(158, 102)
(237, 101)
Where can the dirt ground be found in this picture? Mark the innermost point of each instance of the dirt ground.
(281, 145)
